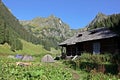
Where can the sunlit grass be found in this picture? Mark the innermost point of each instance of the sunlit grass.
(29, 48)
(5, 49)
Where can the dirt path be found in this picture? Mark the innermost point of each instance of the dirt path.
(75, 75)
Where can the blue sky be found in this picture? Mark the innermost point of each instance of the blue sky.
(76, 13)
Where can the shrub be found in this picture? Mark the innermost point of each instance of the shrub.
(116, 58)
(100, 76)
(102, 63)
(70, 64)
(98, 59)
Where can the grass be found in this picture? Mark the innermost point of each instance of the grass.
(5, 49)
(28, 48)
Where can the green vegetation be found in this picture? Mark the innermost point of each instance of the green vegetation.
(11, 30)
(97, 67)
(32, 49)
(112, 22)
(47, 71)
(28, 48)
(37, 39)
(5, 49)
(37, 71)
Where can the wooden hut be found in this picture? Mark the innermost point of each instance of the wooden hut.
(96, 41)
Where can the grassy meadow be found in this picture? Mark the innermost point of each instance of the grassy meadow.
(29, 49)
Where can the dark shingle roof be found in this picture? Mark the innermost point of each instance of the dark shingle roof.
(95, 34)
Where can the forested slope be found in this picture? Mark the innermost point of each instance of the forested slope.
(11, 30)
(110, 21)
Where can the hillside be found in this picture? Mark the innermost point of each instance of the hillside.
(11, 30)
(28, 48)
(7, 34)
(51, 30)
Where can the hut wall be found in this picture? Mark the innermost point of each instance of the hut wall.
(79, 48)
(106, 45)
(88, 47)
(71, 50)
(109, 45)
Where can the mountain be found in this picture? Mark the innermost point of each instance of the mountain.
(11, 30)
(47, 31)
(51, 30)
(110, 21)
(98, 18)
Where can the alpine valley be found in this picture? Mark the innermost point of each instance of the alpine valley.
(42, 34)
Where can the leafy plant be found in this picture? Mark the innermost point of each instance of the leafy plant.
(34, 72)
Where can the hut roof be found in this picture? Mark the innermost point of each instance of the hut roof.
(95, 34)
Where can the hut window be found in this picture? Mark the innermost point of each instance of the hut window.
(79, 35)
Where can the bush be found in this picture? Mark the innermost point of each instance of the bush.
(100, 76)
(70, 64)
(116, 58)
(102, 63)
(98, 59)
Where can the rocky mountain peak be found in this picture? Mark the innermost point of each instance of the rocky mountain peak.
(99, 17)
(51, 21)
(51, 16)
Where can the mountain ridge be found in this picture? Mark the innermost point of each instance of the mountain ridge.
(50, 29)
(99, 17)
(102, 20)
